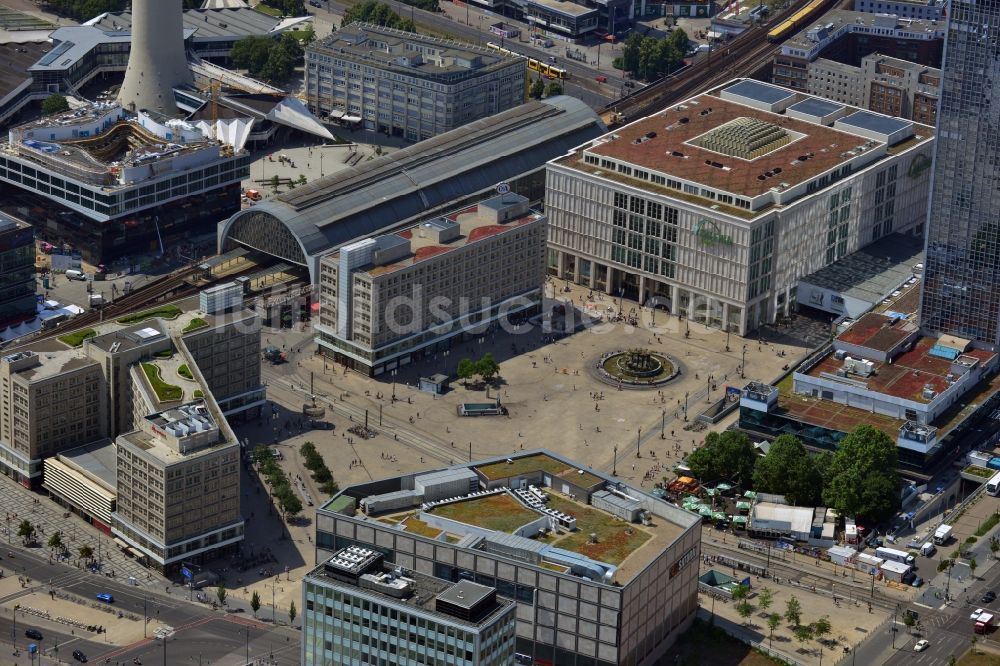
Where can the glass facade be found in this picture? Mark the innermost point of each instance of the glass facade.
(17, 273)
(343, 625)
(961, 293)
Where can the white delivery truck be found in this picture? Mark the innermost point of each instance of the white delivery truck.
(942, 534)
(895, 555)
(927, 549)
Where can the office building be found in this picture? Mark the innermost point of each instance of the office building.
(388, 300)
(178, 484)
(409, 85)
(715, 208)
(847, 37)
(110, 184)
(359, 608)
(17, 271)
(886, 85)
(455, 169)
(928, 10)
(614, 581)
(49, 402)
(85, 480)
(962, 280)
(571, 21)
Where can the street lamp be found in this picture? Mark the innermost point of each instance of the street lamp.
(728, 331)
(638, 439)
(663, 420)
(614, 463)
(743, 364)
(708, 398)
(685, 405)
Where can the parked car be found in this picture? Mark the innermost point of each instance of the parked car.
(80, 656)
(33, 633)
(917, 581)
(921, 645)
(976, 613)
(106, 597)
(989, 597)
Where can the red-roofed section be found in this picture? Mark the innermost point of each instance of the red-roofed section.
(484, 232)
(405, 233)
(430, 251)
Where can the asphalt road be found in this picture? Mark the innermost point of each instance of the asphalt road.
(201, 635)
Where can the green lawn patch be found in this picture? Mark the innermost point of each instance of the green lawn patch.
(76, 338)
(616, 539)
(199, 393)
(417, 526)
(497, 512)
(988, 524)
(185, 372)
(165, 354)
(981, 472)
(164, 392)
(267, 9)
(195, 324)
(164, 312)
(537, 462)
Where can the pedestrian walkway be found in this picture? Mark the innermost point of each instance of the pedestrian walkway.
(47, 518)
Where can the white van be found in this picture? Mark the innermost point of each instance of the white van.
(927, 549)
(73, 274)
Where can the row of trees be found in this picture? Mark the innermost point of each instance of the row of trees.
(539, 89)
(803, 633)
(26, 531)
(281, 487)
(858, 480)
(267, 59)
(313, 462)
(379, 13)
(287, 7)
(486, 368)
(649, 58)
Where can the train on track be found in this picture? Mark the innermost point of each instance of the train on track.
(547, 70)
(796, 21)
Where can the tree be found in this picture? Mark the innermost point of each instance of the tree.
(679, 40)
(54, 103)
(788, 470)
(279, 66)
(275, 183)
(909, 621)
(487, 367)
(86, 552)
(745, 609)
(537, 89)
(261, 454)
(554, 88)
(793, 612)
(765, 598)
(292, 612)
(220, 592)
(379, 13)
(821, 628)
(466, 369)
(803, 633)
(55, 542)
(741, 592)
(26, 531)
(972, 566)
(728, 455)
(862, 476)
(773, 621)
(255, 603)
(251, 53)
(994, 547)
(291, 505)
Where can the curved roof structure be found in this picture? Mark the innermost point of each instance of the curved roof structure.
(375, 196)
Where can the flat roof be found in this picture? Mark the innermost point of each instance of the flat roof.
(672, 151)
(465, 594)
(834, 19)
(760, 92)
(97, 459)
(814, 106)
(409, 53)
(875, 122)
(15, 59)
(874, 271)
(908, 373)
(74, 42)
(56, 363)
(564, 7)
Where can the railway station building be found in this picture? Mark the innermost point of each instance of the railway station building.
(420, 182)
(715, 208)
(601, 573)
